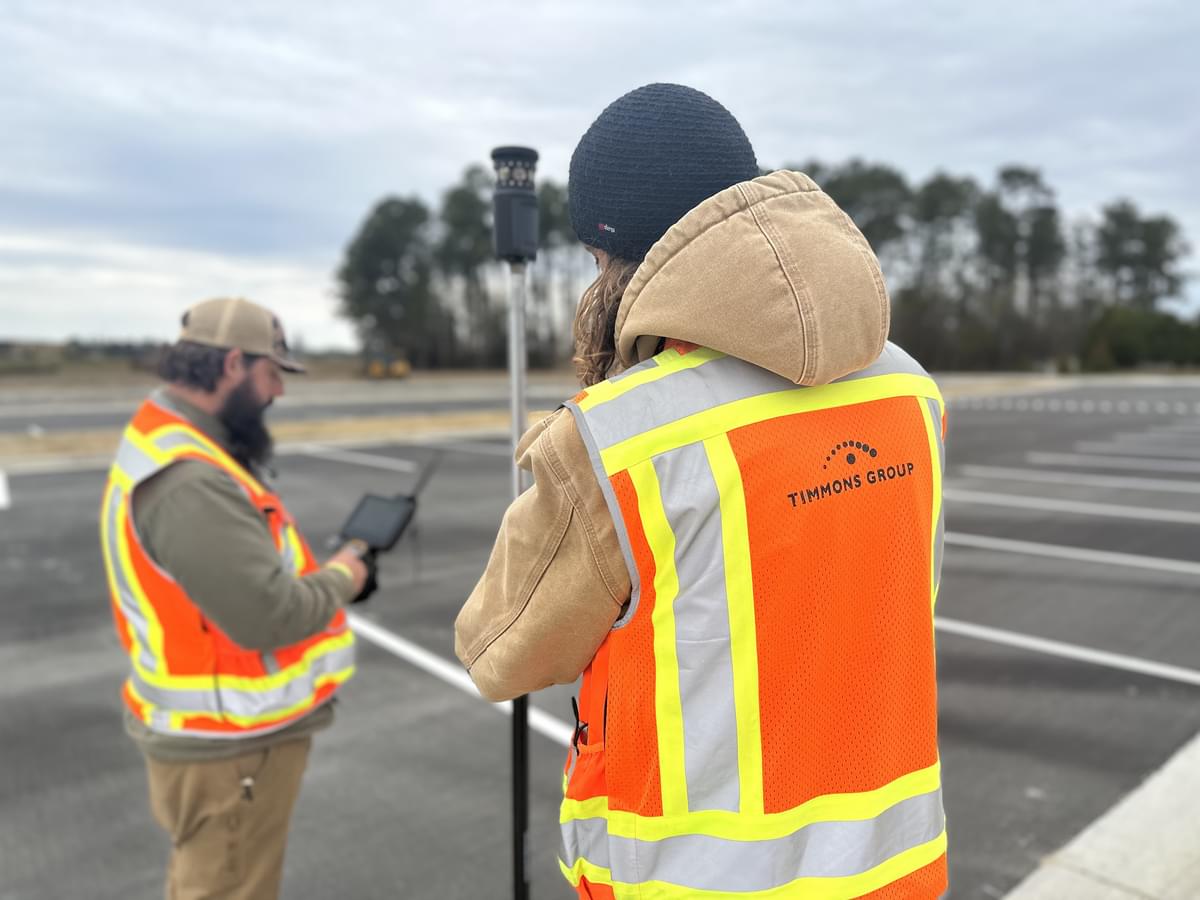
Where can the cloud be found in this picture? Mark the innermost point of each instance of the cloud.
(261, 134)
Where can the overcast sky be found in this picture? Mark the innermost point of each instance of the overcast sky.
(152, 154)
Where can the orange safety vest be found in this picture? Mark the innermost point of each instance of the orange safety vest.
(762, 720)
(187, 676)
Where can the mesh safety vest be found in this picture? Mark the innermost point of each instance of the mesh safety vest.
(761, 721)
(189, 677)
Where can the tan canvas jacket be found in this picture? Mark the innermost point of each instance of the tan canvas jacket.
(770, 271)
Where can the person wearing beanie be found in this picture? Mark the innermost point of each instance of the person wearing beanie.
(735, 536)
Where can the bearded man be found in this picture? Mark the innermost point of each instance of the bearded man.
(236, 636)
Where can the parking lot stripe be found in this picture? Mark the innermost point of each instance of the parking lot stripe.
(354, 457)
(453, 674)
(1069, 651)
(1049, 476)
(5, 496)
(1075, 507)
(1137, 463)
(1074, 554)
(1141, 448)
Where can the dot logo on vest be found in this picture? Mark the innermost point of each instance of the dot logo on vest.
(856, 458)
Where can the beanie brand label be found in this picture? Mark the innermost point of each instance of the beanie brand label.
(607, 228)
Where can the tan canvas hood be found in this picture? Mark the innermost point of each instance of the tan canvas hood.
(770, 271)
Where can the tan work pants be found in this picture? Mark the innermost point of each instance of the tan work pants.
(227, 835)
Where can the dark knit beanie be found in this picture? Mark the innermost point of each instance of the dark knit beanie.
(648, 159)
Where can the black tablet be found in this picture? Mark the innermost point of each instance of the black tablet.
(379, 521)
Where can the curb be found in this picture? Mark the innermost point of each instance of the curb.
(1147, 847)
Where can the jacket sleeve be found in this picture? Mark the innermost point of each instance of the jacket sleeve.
(556, 580)
(198, 525)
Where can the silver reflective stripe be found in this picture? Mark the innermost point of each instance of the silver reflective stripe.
(645, 364)
(290, 563)
(229, 701)
(129, 605)
(679, 395)
(837, 849)
(702, 638)
(294, 691)
(169, 700)
(892, 361)
(177, 439)
(935, 412)
(134, 463)
(614, 509)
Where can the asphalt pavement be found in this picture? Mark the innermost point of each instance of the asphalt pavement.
(1070, 573)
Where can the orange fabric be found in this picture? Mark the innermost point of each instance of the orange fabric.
(589, 891)
(632, 737)
(927, 882)
(683, 348)
(192, 644)
(151, 416)
(825, 620)
(592, 695)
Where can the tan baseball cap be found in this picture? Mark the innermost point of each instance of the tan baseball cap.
(236, 324)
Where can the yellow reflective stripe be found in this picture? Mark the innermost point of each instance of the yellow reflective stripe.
(936, 467)
(743, 640)
(667, 705)
(292, 536)
(725, 418)
(734, 826)
(144, 444)
(109, 576)
(153, 626)
(339, 677)
(207, 447)
(145, 704)
(666, 363)
(249, 683)
(340, 567)
(809, 888)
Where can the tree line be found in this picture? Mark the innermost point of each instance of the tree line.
(982, 276)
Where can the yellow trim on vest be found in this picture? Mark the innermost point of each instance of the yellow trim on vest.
(935, 466)
(339, 677)
(667, 703)
(666, 363)
(292, 536)
(153, 626)
(113, 591)
(249, 683)
(743, 639)
(729, 416)
(810, 888)
(734, 826)
(212, 449)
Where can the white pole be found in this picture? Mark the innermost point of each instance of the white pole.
(520, 706)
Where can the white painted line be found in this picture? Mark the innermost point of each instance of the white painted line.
(1075, 507)
(1049, 476)
(369, 460)
(478, 448)
(5, 496)
(1074, 554)
(1144, 448)
(453, 674)
(1069, 651)
(1137, 463)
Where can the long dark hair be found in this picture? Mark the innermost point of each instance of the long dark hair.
(596, 321)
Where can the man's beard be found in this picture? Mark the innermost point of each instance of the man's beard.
(249, 440)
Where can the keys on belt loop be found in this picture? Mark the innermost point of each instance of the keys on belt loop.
(247, 783)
